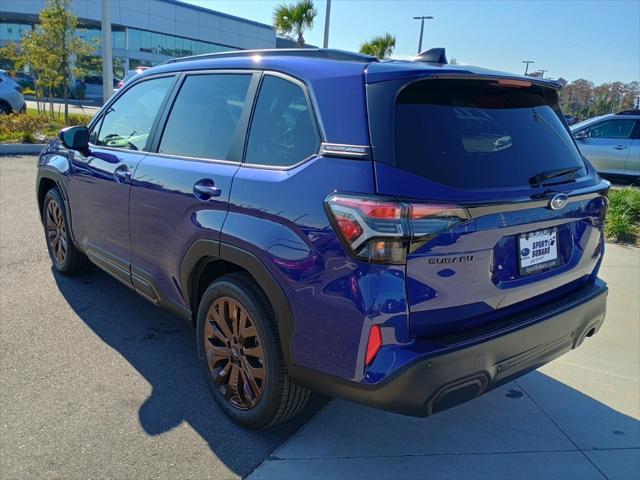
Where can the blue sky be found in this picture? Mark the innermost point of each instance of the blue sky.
(596, 40)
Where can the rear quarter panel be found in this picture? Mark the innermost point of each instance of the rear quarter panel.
(279, 216)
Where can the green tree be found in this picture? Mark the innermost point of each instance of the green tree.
(380, 46)
(52, 50)
(12, 58)
(295, 19)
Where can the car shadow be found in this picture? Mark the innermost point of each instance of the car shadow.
(162, 348)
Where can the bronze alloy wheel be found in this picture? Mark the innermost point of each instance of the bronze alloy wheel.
(56, 231)
(235, 353)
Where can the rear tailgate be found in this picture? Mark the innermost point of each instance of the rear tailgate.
(498, 149)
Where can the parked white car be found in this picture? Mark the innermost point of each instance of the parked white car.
(611, 142)
(11, 99)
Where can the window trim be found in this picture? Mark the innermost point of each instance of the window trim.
(317, 126)
(114, 98)
(243, 122)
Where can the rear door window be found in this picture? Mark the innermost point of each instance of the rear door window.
(476, 134)
(283, 132)
(205, 116)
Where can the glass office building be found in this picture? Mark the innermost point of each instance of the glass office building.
(146, 32)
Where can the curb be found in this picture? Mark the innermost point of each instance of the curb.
(21, 148)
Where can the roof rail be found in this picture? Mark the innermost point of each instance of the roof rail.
(433, 55)
(325, 53)
(629, 112)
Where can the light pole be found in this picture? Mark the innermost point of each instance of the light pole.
(528, 62)
(325, 43)
(422, 19)
(542, 72)
(107, 63)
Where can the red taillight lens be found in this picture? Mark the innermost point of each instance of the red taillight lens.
(374, 344)
(380, 230)
(120, 84)
(349, 228)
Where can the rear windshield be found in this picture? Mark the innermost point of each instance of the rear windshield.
(477, 134)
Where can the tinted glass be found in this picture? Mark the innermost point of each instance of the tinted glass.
(612, 129)
(205, 116)
(282, 131)
(479, 135)
(127, 123)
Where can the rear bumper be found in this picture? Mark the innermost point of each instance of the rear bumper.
(429, 385)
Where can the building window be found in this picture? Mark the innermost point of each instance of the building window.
(13, 32)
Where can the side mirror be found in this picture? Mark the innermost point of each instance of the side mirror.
(75, 138)
(581, 135)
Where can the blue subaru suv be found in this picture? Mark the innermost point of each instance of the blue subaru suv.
(404, 234)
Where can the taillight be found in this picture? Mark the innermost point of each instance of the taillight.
(381, 230)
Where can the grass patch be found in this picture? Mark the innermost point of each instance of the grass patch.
(623, 217)
(32, 127)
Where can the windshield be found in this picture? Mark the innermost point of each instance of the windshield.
(477, 134)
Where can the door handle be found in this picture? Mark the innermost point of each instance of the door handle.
(205, 189)
(122, 173)
(620, 147)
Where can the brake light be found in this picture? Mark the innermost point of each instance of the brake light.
(380, 230)
(511, 82)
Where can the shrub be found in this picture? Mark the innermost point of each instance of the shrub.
(23, 128)
(623, 217)
(33, 127)
(77, 120)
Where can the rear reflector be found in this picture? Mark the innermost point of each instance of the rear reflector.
(374, 344)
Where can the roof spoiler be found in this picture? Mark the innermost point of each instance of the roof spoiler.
(433, 55)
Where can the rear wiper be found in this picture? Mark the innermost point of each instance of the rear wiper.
(538, 178)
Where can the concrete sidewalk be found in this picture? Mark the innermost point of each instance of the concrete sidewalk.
(576, 418)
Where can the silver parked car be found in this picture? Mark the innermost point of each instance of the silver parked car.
(11, 99)
(611, 142)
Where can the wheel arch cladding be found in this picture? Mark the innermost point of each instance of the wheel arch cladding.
(207, 260)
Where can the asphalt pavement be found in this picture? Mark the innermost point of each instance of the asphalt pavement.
(95, 382)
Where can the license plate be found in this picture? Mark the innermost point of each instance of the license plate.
(538, 250)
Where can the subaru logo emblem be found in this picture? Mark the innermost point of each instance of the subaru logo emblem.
(558, 202)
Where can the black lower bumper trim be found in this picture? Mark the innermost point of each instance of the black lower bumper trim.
(441, 382)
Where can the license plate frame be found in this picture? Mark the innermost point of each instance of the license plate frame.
(527, 248)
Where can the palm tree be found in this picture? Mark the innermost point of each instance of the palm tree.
(295, 19)
(381, 46)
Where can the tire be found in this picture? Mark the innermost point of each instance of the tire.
(66, 258)
(266, 401)
(4, 109)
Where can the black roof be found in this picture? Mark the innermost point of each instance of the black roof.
(324, 53)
